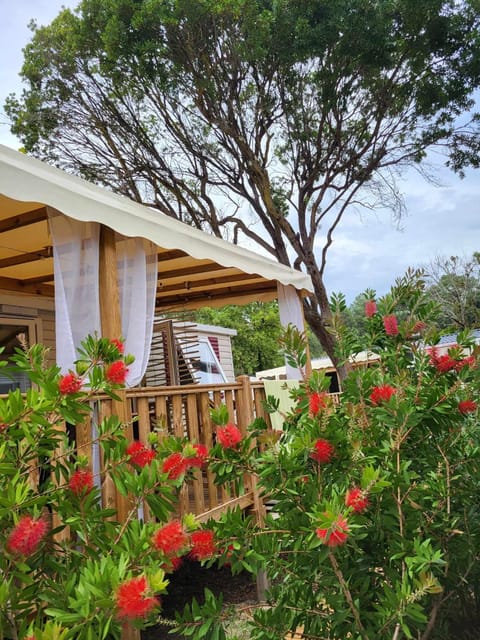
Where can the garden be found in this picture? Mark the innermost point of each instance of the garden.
(374, 526)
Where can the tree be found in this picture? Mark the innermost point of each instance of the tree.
(257, 120)
(455, 286)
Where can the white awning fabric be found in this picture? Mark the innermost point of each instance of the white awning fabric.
(195, 269)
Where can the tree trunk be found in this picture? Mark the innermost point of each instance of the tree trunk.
(319, 318)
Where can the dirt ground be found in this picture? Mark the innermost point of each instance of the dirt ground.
(189, 581)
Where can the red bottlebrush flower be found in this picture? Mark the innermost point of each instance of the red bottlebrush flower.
(117, 372)
(467, 406)
(370, 308)
(317, 402)
(139, 454)
(336, 535)
(69, 383)
(27, 535)
(356, 499)
(391, 325)
(118, 343)
(469, 361)
(322, 451)
(81, 482)
(200, 458)
(172, 564)
(175, 465)
(229, 436)
(419, 326)
(203, 544)
(382, 394)
(132, 601)
(170, 539)
(444, 363)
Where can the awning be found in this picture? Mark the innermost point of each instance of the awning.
(195, 269)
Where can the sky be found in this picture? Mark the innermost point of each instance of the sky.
(370, 250)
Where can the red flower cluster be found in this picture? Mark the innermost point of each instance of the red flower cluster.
(317, 402)
(69, 383)
(117, 372)
(336, 535)
(27, 535)
(175, 465)
(203, 544)
(139, 454)
(229, 436)
(132, 601)
(467, 406)
(118, 343)
(391, 325)
(370, 308)
(382, 394)
(81, 482)
(322, 451)
(356, 499)
(171, 538)
(446, 362)
(200, 458)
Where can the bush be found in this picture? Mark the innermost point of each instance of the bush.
(69, 568)
(375, 529)
(376, 524)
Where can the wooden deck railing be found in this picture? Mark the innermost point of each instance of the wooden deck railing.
(184, 411)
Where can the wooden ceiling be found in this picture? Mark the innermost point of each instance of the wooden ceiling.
(26, 266)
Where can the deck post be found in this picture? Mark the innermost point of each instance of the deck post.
(111, 322)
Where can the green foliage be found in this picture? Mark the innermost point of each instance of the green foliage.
(454, 284)
(256, 120)
(401, 559)
(65, 555)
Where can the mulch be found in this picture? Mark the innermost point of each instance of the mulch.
(189, 581)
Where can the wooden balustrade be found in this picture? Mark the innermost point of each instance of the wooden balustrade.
(184, 411)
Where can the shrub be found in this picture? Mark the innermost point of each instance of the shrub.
(70, 569)
(376, 524)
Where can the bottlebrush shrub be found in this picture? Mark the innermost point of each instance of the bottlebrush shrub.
(381, 537)
(69, 569)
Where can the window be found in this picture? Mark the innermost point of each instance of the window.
(208, 368)
(14, 331)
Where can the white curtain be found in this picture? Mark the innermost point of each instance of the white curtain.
(77, 301)
(137, 280)
(291, 312)
(77, 297)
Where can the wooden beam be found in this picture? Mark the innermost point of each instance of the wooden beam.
(173, 254)
(191, 285)
(23, 258)
(110, 317)
(12, 284)
(47, 277)
(23, 219)
(206, 296)
(190, 270)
